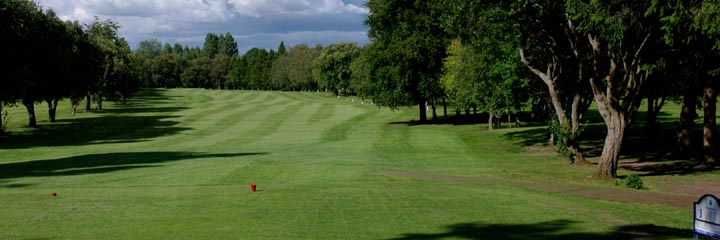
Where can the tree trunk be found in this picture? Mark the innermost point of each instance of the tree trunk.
(434, 112)
(423, 111)
(650, 115)
(98, 102)
(491, 121)
(87, 103)
(608, 162)
(709, 101)
(30, 106)
(687, 120)
(51, 110)
(445, 108)
(571, 125)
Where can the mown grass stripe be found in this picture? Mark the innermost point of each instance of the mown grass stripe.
(226, 128)
(267, 125)
(340, 131)
(203, 129)
(321, 114)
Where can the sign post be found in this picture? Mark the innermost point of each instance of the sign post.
(706, 218)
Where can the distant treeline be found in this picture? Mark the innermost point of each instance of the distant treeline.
(218, 65)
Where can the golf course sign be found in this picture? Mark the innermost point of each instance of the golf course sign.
(706, 220)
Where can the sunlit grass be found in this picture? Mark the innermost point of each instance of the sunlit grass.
(178, 164)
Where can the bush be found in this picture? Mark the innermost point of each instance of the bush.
(634, 181)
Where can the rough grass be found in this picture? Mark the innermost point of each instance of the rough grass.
(178, 164)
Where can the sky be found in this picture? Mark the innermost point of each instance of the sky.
(253, 23)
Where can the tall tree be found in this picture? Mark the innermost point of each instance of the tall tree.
(211, 47)
(552, 50)
(149, 48)
(259, 62)
(707, 19)
(228, 46)
(332, 68)
(26, 21)
(487, 64)
(105, 37)
(408, 47)
(281, 49)
(620, 34)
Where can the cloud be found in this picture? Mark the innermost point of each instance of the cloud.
(268, 8)
(254, 21)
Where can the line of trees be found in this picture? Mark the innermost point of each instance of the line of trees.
(495, 57)
(218, 65)
(571, 53)
(46, 60)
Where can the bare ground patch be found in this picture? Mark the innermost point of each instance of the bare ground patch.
(678, 198)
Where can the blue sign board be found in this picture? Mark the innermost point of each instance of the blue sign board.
(707, 220)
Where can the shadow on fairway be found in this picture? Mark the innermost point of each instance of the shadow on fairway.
(94, 130)
(100, 163)
(649, 152)
(142, 118)
(559, 229)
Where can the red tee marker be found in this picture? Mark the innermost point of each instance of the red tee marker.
(53, 194)
(252, 187)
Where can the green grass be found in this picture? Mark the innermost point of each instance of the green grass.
(178, 164)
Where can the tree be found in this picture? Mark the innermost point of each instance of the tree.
(259, 62)
(113, 53)
(35, 43)
(281, 49)
(707, 19)
(293, 70)
(359, 79)
(332, 68)
(218, 72)
(486, 72)
(553, 51)
(408, 46)
(211, 47)
(197, 73)
(236, 76)
(149, 48)
(228, 46)
(619, 33)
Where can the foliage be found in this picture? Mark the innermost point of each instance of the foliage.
(293, 70)
(570, 136)
(634, 182)
(47, 59)
(406, 53)
(333, 68)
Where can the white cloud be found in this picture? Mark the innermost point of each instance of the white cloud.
(264, 8)
(188, 21)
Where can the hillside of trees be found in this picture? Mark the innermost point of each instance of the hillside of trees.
(498, 57)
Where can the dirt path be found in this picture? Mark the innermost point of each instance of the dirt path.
(681, 201)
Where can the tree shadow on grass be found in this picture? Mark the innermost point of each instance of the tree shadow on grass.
(100, 163)
(93, 130)
(141, 118)
(647, 152)
(559, 229)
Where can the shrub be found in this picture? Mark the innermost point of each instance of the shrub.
(634, 181)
